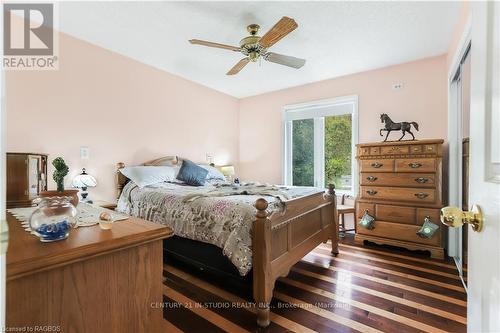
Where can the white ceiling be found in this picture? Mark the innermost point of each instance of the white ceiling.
(336, 38)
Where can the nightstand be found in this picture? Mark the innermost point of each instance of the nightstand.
(105, 204)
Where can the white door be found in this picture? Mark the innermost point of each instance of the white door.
(484, 247)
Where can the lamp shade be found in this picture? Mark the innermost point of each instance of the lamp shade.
(227, 170)
(84, 180)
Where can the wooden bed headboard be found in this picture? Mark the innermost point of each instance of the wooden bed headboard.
(122, 180)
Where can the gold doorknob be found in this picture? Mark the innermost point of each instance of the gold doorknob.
(455, 217)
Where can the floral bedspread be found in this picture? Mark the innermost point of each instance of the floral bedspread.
(224, 221)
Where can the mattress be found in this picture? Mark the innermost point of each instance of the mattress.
(217, 214)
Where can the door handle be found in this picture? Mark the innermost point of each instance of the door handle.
(372, 192)
(414, 165)
(371, 178)
(421, 195)
(421, 180)
(454, 217)
(376, 165)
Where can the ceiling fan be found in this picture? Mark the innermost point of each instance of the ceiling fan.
(255, 47)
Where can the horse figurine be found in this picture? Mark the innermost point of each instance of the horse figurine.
(392, 126)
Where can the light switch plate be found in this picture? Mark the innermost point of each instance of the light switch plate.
(84, 153)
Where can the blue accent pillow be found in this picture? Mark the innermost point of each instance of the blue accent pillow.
(192, 174)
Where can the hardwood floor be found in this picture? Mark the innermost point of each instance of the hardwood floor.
(364, 289)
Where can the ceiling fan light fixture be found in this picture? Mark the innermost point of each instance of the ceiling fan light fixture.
(255, 47)
(254, 56)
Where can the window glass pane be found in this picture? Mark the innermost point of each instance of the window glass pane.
(303, 152)
(338, 130)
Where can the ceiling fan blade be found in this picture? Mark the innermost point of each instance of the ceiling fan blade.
(217, 45)
(284, 60)
(282, 28)
(239, 66)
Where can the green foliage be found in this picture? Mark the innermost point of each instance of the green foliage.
(61, 171)
(303, 152)
(338, 132)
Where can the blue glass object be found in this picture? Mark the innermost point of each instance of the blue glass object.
(53, 218)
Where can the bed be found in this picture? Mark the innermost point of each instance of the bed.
(262, 230)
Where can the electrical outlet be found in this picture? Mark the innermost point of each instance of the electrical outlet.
(84, 153)
(397, 86)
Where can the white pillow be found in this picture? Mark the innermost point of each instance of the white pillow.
(213, 173)
(149, 175)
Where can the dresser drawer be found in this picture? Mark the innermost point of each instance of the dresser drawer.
(392, 150)
(433, 214)
(398, 214)
(416, 195)
(398, 231)
(380, 165)
(398, 179)
(415, 165)
(430, 149)
(363, 151)
(362, 207)
(417, 149)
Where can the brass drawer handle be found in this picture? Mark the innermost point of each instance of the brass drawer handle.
(421, 195)
(371, 192)
(421, 180)
(376, 165)
(414, 165)
(371, 178)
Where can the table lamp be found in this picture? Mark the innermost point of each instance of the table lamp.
(228, 172)
(83, 181)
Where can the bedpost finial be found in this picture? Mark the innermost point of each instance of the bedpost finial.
(261, 205)
(120, 165)
(331, 188)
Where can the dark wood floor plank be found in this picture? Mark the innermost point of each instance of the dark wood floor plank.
(350, 312)
(392, 275)
(366, 289)
(225, 308)
(291, 326)
(432, 274)
(422, 263)
(436, 301)
(306, 318)
(440, 318)
(185, 320)
(349, 240)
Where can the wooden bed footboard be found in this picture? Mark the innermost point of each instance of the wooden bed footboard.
(280, 240)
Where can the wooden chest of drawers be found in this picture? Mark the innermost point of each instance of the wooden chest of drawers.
(400, 184)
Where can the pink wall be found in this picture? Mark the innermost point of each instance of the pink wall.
(121, 109)
(133, 112)
(423, 99)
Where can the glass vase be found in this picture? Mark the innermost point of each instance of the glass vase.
(53, 218)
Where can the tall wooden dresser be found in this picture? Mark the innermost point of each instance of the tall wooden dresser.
(26, 177)
(400, 184)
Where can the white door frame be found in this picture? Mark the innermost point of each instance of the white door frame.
(4, 231)
(454, 140)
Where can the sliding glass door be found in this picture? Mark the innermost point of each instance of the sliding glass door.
(319, 141)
